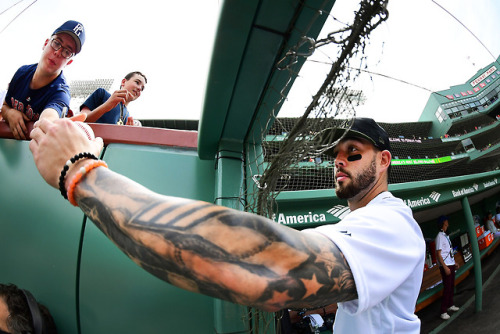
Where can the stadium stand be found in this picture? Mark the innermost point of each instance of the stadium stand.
(470, 124)
(410, 141)
(83, 88)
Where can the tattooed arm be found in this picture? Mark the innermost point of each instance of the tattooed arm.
(217, 251)
(201, 247)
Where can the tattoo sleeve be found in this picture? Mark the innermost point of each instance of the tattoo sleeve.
(217, 251)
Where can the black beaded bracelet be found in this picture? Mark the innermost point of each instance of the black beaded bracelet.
(62, 177)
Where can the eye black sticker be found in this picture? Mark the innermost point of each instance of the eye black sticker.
(354, 157)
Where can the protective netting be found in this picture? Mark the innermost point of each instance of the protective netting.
(290, 160)
(289, 157)
(416, 155)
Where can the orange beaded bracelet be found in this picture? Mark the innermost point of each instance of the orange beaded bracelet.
(79, 176)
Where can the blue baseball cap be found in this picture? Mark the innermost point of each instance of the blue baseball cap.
(76, 30)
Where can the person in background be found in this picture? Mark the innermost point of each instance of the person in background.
(103, 107)
(20, 313)
(447, 267)
(490, 225)
(371, 263)
(40, 90)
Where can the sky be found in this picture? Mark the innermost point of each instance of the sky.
(171, 43)
(420, 44)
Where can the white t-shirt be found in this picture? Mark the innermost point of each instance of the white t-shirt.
(491, 226)
(443, 243)
(385, 249)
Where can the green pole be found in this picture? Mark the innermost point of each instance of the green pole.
(476, 255)
(229, 179)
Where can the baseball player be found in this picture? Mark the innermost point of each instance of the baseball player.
(371, 263)
(40, 90)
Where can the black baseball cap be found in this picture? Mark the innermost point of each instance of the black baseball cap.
(362, 127)
(76, 30)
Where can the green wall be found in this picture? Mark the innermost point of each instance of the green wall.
(40, 242)
(39, 235)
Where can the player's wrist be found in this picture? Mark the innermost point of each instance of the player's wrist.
(80, 175)
(70, 168)
(74, 169)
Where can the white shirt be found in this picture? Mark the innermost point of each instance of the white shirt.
(385, 249)
(491, 226)
(443, 243)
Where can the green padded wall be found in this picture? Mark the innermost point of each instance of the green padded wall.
(116, 295)
(39, 235)
(40, 238)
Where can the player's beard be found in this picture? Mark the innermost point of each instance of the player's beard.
(364, 180)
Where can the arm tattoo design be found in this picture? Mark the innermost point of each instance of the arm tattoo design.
(220, 252)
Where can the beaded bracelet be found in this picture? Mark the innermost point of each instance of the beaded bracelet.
(79, 176)
(75, 158)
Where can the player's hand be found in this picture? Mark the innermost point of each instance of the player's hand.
(16, 121)
(53, 143)
(130, 120)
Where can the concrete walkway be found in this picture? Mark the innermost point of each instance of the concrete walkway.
(467, 320)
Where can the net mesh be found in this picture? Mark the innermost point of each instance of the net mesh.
(289, 159)
(423, 157)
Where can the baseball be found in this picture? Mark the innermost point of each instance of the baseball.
(86, 129)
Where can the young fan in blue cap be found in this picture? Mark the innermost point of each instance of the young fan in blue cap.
(40, 90)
